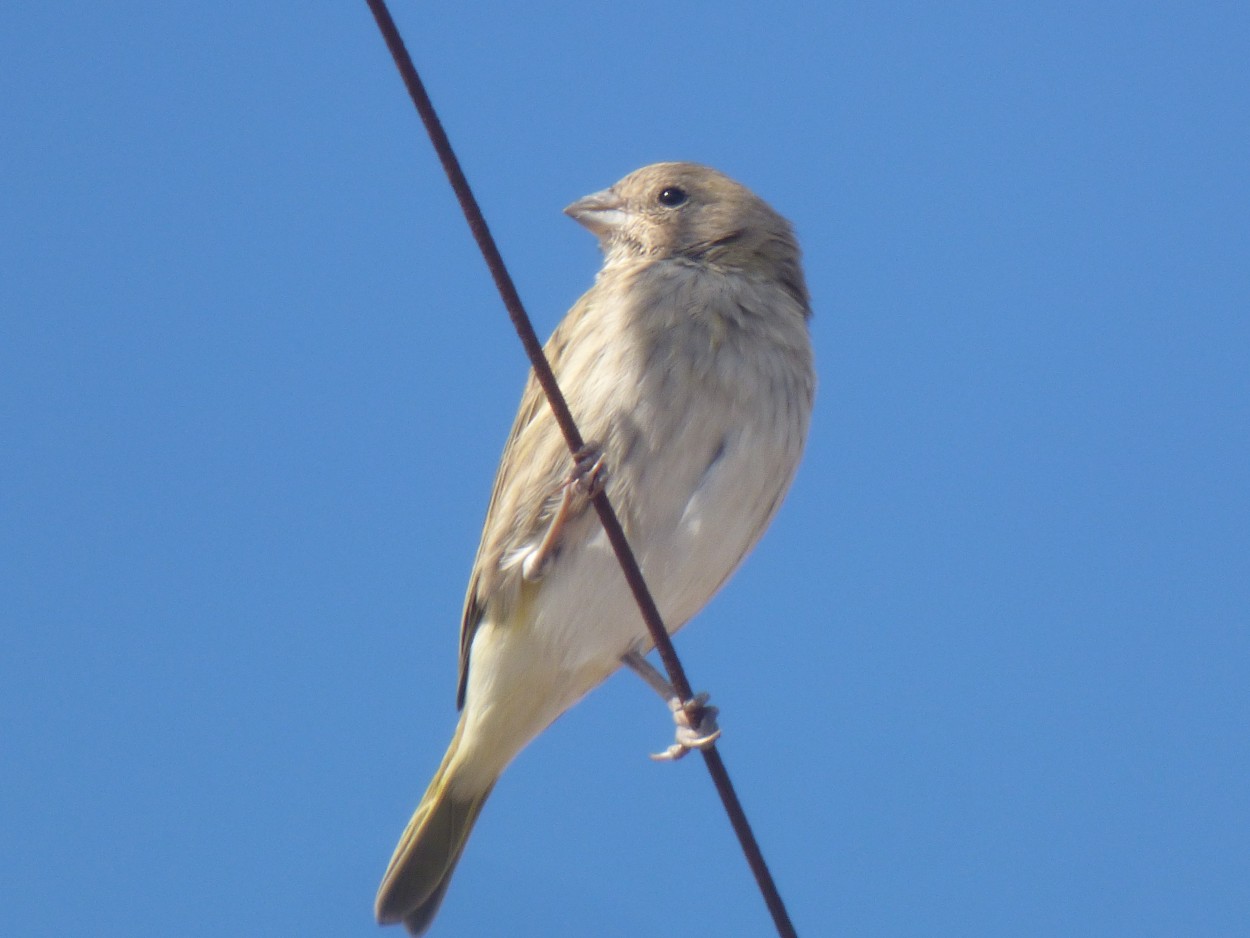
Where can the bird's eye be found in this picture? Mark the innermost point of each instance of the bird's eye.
(673, 197)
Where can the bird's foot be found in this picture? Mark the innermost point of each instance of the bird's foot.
(586, 479)
(589, 474)
(696, 727)
(696, 721)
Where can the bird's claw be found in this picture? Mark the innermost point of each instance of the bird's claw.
(696, 727)
(589, 474)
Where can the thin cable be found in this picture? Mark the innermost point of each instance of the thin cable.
(560, 409)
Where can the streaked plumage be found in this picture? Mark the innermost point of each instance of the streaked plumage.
(689, 363)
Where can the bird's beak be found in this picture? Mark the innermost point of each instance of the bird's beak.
(601, 212)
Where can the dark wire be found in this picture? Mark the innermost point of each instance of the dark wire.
(560, 409)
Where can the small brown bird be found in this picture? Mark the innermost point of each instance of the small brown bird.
(689, 363)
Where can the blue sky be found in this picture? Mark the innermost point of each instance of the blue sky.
(987, 674)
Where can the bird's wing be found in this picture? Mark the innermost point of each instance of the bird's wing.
(534, 463)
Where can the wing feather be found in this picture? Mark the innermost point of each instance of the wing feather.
(534, 463)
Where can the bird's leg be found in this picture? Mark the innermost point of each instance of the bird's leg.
(585, 479)
(696, 721)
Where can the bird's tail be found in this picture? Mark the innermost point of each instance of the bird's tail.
(420, 869)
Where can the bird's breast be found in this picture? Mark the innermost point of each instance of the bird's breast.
(702, 426)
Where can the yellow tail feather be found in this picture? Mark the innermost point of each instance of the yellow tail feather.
(420, 869)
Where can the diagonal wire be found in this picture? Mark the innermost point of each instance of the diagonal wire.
(560, 410)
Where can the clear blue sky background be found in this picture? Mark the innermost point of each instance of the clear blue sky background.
(987, 675)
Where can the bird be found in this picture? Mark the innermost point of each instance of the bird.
(688, 365)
